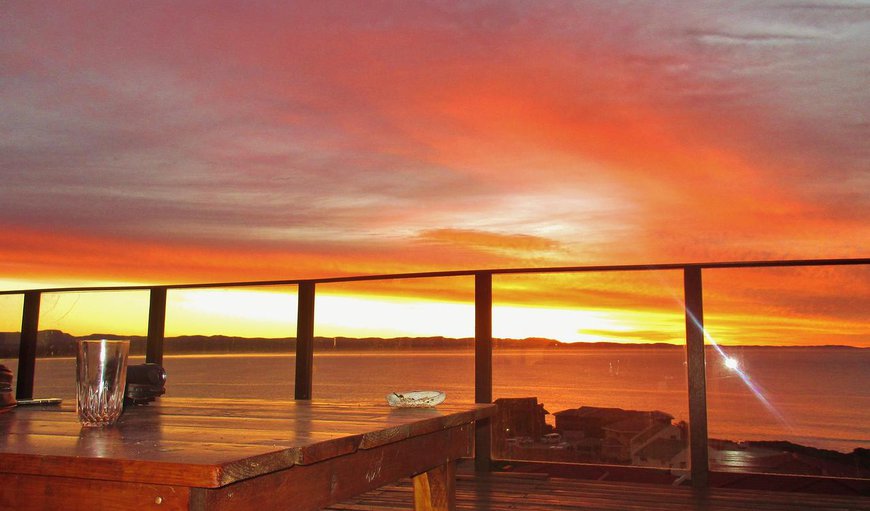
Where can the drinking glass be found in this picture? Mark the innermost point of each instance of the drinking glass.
(101, 374)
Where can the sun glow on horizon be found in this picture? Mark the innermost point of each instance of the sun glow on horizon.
(263, 313)
(258, 313)
(408, 312)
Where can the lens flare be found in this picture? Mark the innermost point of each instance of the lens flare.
(753, 387)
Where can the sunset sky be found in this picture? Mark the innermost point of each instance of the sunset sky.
(173, 142)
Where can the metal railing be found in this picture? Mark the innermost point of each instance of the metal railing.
(483, 304)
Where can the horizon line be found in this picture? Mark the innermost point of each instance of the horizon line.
(539, 340)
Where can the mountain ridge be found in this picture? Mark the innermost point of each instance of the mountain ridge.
(58, 343)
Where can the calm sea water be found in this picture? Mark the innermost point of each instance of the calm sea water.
(815, 397)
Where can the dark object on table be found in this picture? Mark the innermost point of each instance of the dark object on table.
(7, 399)
(145, 382)
(40, 401)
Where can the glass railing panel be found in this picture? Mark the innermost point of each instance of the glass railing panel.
(377, 338)
(595, 375)
(11, 307)
(787, 370)
(231, 342)
(67, 317)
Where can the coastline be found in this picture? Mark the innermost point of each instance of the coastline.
(54, 343)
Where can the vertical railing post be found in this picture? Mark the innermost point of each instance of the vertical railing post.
(483, 367)
(305, 341)
(156, 326)
(27, 345)
(697, 377)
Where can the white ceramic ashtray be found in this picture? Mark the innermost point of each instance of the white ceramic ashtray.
(416, 398)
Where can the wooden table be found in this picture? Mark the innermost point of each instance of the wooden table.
(231, 454)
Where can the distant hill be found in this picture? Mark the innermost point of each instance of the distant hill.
(49, 343)
(55, 343)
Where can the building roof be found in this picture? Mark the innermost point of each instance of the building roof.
(517, 401)
(607, 414)
(634, 425)
(523, 403)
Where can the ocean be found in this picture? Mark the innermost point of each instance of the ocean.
(818, 397)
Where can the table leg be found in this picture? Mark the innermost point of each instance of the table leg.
(435, 490)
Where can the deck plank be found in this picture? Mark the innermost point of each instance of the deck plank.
(537, 492)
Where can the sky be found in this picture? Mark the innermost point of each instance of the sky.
(168, 142)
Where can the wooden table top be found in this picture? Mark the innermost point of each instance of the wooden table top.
(209, 443)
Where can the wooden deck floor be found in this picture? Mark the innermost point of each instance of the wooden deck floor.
(538, 492)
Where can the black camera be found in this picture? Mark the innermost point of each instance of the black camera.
(145, 382)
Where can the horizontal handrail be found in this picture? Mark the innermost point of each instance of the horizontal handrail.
(460, 273)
